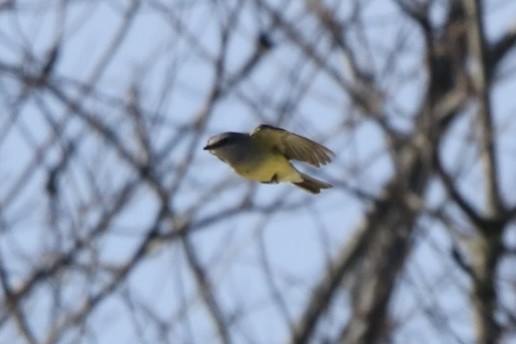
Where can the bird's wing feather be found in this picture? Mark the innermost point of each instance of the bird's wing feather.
(293, 146)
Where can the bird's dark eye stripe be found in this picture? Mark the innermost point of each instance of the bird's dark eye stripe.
(219, 143)
(222, 142)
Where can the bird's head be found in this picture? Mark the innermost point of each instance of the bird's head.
(224, 140)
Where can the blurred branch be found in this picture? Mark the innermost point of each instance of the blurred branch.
(207, 292)
(499, 50)
(12, 305)
(486, 249)
(477, 47)
(455, 194)
(417, 11)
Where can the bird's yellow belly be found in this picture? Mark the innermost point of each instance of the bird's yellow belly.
(276, 168)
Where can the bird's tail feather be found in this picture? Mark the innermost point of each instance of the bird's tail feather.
(311, 184)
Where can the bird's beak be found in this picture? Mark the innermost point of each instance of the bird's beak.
(207, 147)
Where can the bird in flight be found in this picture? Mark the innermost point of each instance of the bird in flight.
(264, 156)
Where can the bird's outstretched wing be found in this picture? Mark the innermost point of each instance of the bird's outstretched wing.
(293, 146)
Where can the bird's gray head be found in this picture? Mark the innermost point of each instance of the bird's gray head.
(224, 140)
(229, 147)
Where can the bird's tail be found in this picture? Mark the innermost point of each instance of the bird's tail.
(311, 184)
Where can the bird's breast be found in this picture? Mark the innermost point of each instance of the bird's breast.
(267, 167)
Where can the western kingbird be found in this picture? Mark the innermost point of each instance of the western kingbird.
(265, 154)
